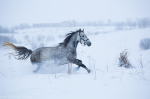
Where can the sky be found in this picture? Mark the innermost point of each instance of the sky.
(14, 12)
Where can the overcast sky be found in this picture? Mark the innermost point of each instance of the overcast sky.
(14, 12)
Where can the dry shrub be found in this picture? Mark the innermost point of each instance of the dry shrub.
(123, 60)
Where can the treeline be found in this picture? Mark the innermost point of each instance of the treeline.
(120, 25)
(12, 29)
(6, 30)
(129, 23)
(22, 26)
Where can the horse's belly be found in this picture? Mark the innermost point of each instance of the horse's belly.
(62, 61)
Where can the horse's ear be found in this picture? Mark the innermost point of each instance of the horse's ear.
(79, 30)
(83, 30)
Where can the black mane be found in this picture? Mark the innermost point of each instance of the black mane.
(68, 37)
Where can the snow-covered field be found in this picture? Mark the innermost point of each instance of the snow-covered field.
(106, 81)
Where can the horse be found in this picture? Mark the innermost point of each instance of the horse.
(63, 53)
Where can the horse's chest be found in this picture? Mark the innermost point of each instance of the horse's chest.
(72, 54)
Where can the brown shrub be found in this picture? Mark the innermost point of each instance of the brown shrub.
(123, 60)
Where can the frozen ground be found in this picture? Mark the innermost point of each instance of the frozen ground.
(106, 81)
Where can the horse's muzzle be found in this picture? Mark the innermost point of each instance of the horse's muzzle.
(88, 43)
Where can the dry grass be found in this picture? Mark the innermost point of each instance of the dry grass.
(123, 60)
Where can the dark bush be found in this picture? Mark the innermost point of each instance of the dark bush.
(145, 44)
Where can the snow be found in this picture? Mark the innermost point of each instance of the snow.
(106, 81)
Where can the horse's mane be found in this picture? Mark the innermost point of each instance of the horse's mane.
(68, 37)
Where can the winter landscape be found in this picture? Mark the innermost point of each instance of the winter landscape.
(118, 59)
(106, 79)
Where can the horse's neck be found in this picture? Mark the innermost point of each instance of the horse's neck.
(73, 43)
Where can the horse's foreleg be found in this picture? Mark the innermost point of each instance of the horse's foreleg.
(69, 68)
(79, 63)
(88, 70)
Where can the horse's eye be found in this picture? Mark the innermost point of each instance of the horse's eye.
(83, 36)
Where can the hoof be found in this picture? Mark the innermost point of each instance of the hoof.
(88, 71)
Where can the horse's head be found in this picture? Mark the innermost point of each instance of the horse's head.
(82, 38)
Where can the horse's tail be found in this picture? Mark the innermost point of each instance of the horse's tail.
(21, 53)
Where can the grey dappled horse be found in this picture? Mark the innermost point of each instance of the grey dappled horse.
(64, 53)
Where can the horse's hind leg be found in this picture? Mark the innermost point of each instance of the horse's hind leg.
(38, 67)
